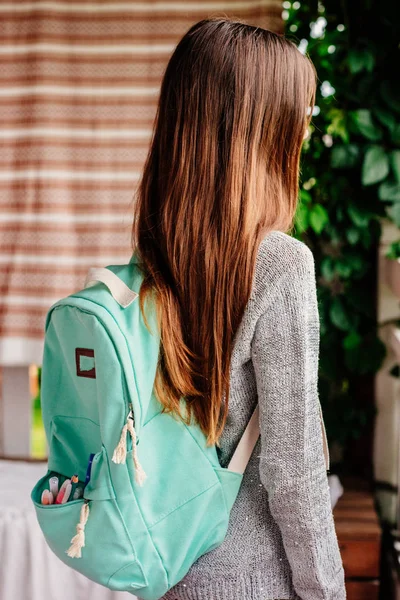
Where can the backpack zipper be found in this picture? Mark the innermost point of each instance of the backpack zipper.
(119, 457)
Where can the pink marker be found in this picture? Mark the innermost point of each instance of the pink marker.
(67, 493)
(60, 495)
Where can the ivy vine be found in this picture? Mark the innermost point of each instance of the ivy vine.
(350, 181)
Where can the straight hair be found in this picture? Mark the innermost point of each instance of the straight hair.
(222, 171)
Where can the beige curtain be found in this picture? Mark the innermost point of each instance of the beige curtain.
(79, 82)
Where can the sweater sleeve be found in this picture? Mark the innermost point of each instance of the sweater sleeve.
(285, 355)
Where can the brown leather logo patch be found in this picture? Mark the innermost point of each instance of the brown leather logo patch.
(85, 366)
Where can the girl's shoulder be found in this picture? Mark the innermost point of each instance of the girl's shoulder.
(281, 260)
(280, 253)
(284, 246)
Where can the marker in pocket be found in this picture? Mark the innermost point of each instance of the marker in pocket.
(78, 493)
(67, 493)
(53, 484)
(47, 497)
(74, 483)
(60, 495)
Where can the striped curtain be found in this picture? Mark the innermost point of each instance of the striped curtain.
(79, 82)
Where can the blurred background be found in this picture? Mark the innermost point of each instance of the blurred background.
(79, 82)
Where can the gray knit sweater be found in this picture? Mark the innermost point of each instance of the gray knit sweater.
(281, 542)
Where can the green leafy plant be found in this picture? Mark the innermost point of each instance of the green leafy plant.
(350, 180)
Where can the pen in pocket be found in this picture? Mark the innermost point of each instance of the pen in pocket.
(89, 470)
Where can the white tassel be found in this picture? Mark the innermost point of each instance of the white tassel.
(120, 451)
(78, 541)
(119, 455)
(140, 475)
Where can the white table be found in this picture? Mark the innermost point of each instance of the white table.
(28, 568)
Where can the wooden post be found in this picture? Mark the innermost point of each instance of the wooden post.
(387, 388)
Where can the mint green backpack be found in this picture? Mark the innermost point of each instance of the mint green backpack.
(157, 497)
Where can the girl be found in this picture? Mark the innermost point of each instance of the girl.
(237, 299)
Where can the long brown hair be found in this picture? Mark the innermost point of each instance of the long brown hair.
(221, 172)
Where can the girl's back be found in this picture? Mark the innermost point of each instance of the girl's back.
(237, 301)
(282, 515)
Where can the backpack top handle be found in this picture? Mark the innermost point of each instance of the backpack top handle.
(118, 288)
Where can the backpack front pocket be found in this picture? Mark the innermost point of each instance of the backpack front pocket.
(72, 440)
(107, 546)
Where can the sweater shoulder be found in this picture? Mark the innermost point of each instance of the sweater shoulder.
(279, 257)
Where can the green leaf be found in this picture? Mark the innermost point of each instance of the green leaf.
(386, 117)
(394, 250)
(327, 268)
(343, 269)
(375, 166)
(339, 315)
(344, 157)
(302, 217)
(352, 235)
(366, 126)
(395, 161)
(338, 124)
(389, 191)
(305, 196)
(359, 217)
(356, 61)
(360, 60)
(369, 61)
(352, 340)
(318, 217)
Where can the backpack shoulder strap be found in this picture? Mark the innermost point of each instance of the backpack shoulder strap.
(246, 445)
(324, 439)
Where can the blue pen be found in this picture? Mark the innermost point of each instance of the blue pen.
(88, 470)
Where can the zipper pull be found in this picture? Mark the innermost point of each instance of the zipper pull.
(140, 475)
(119, 456)
(131, 414)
